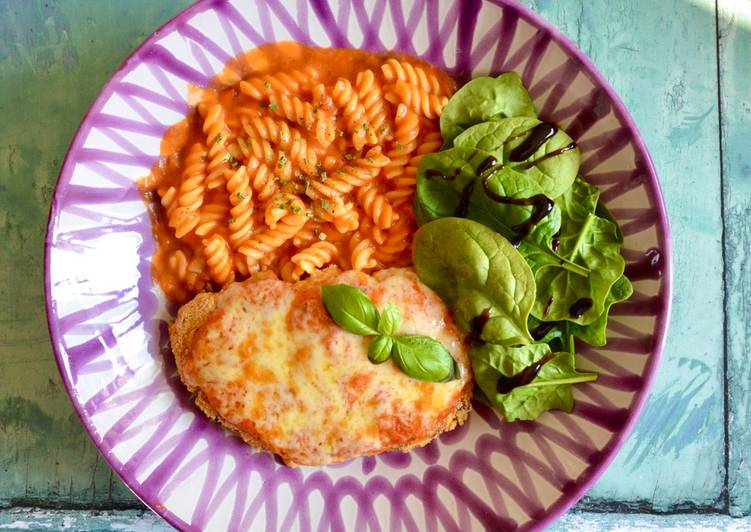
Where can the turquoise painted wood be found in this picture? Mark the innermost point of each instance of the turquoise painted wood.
(735, 97)
(143, 520)
(662, 58)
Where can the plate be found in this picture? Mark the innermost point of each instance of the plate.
(107, 319)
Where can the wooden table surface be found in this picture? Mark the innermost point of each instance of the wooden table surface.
(683, 68)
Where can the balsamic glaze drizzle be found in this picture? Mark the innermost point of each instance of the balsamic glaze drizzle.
(539, 332)
(581, 306)
(463, 207)
(554, 153)
(476, 326)
(541, 203)
(524, 377)
(538, 136)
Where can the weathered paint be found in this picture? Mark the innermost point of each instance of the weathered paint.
(54, 59)
(735, 75)
(661, 59)
(143, 520)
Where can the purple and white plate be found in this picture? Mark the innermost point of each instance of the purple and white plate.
(107, 319)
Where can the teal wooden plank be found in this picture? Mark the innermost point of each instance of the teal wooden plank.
(661, 59)
(91, 521)
(598, 522)
(54, 58)
(735, 90)
(143, 520)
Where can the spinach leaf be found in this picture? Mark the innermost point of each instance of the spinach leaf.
(551, 389)
(351, 309)
(485, 98)
(473, 268)
(594, 333)
(553, 174)
(587, 240)
(423, 358)
(442, 179)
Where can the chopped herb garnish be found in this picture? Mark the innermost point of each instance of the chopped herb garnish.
(349, 156)
(370, 159)
(282, 161)
(325, 203)
(399, 146)
(218, 138)
(241, 196)
(340, 132)
(323, 176)
(266, 85)
(365, 126)
(294, 208)
(273, 106)
(322, 235)
(232, 220)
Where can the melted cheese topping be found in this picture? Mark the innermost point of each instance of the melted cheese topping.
(272, 362)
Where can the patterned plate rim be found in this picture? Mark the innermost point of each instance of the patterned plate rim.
(663, 230)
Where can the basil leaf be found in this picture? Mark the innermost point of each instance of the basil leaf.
(423, 358)
(351, 309)
(553, 174)
(390, 318)
(473, 268)
(550, 390)
(379, 350)
(485, 98)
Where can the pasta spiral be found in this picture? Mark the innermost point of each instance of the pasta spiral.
(313, 257)
(241, 213)
(286, 167)
(218, 259)
(394, 70)
(292, 83)
(376, 108)
(267, 241)
(217, 135)
(354, 113)
(354, 175)
(376, 206)
(419, 101)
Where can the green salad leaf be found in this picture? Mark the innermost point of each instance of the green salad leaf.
(473, 268)
(554, 175)
(485, 98)
(443, 178)
(594, 333)
(551, 388)
(587, 240)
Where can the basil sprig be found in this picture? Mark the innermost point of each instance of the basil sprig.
(419, 357)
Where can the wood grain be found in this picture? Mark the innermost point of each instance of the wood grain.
(660, 56)
(54, 59)
(735, 77)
